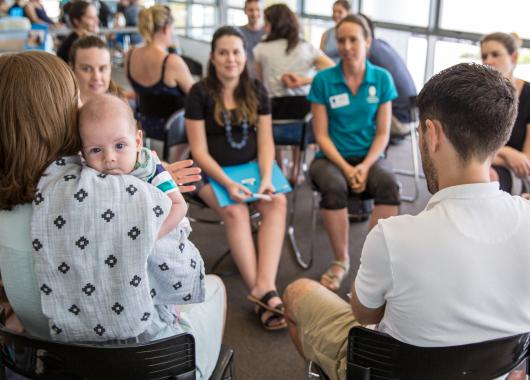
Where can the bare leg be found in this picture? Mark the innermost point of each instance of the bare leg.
(337, 227)
(382, 212)
(270, 241)
(238, 234)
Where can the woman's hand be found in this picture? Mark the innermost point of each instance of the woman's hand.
(266, 187)
(358, 183)
(238, 192)
(518, 162)
(184, 173)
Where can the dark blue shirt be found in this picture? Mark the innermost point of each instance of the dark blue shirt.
(383, 55)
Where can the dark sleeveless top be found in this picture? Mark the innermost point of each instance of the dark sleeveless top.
(156, 103)
(518, 136)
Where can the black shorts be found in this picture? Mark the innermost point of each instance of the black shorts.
(381, 185)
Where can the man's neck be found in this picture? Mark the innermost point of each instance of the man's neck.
(254, 27)
(458, 174)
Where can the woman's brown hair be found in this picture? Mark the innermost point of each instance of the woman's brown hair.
(283, 24)
(33, 134)
(509, 41)
(245, 92)
(153, 20)
(76, 11)
(89, 42)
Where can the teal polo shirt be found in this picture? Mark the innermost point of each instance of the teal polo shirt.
(352, 118)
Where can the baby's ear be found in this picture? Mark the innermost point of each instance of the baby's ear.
(139, 139)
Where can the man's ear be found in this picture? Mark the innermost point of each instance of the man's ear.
(433, 134)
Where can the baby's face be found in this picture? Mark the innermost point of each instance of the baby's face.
(110, 144)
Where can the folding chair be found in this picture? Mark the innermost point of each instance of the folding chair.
(415, 172)
(292, 114)
(375, 355)
(171, 358)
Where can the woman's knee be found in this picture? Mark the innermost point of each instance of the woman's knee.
(235, 212)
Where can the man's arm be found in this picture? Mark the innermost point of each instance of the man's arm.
(374, 280)
(364, 315)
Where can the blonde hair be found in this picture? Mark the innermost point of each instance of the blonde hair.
(153, 20)
(33, 134)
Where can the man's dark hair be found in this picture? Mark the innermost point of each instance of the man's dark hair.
(476, 106)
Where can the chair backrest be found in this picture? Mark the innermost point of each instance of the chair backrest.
(375, 355)
(194, 66)
(170, 358)
(175, 132)
(293, 112)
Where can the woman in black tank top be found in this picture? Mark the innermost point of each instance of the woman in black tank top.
(160, 80)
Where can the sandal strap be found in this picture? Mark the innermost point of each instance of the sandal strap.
(342, 264)
(267, 297)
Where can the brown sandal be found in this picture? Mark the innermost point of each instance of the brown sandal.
(263, 302)
(335, 280)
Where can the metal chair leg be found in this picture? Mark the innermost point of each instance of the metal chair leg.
(218, 262)
(304, 263)
(416, 169)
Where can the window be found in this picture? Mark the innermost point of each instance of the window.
(416, 60)
(447, 54)
(236, 3)
(319, 8)
(486, 16)
(178, 11)
(411, 12)
(236, 17)
(313, 29)
(523, 65)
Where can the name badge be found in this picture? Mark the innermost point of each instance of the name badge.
(338, 101)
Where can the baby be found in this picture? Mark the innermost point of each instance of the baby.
(112, 144)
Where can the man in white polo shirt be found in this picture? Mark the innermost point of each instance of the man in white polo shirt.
(457, 272)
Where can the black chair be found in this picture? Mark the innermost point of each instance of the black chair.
(375, 355)
(170, 358)
(294, 113)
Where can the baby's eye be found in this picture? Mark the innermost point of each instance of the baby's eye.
(95, 150)
(120, 145)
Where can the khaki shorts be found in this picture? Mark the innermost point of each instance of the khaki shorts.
(323, 321)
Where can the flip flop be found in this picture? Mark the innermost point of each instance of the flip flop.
(263, 302)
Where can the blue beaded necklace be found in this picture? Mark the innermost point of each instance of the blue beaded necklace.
(228, 132)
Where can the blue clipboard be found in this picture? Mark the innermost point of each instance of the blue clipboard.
(36, 39)
(248, 175)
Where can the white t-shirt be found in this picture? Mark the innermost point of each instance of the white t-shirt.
(275, 62)
(457, 273)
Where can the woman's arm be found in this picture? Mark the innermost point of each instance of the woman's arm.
(196, 133)
(514, 160)
(526, 145)
(180, 72)
(293, 80)
(265, 152)
(320, 127)
(30, 12)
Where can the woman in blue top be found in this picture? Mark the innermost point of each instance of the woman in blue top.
(328, 42)
(352, 107)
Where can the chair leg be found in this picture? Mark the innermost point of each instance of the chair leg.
(314, 213)
(300, 260)
(218, 262)
(416, 169)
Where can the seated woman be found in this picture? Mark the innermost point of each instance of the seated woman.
(352, 107)
(328, 43)
(34, 10)
(228, 122)
(84, 19)
(285, 63)
(160, 80)
(511, 165)
(42, 142)
(90, 61)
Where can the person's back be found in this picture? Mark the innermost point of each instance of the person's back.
(458, 271)
(383, 55)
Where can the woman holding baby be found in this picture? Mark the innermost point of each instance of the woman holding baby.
(36, 210)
